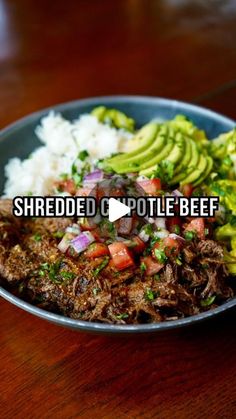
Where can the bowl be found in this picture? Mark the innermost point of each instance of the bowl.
(19, 140)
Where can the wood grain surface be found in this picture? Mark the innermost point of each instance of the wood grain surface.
(53, 52)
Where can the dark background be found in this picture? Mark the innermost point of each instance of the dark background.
(55, 51)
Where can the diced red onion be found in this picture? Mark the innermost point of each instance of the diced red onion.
(140, 178)
(73, 229)
(160, 222)
(65, 242)
(162, 233)
(120, 239)
(150, 220)
(94, 177)
(143, 235)
(177, 193)
(81, 242)
(97, 219)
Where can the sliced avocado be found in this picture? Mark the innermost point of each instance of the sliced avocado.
(147, 168)
(146, 155)
(133, 163)
(196, 172)
(172, 152)
(186, 157)
(141, 141)
(206, 172)
(186, 170)
(113, 117)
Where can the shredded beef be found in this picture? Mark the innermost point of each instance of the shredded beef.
(28, 248)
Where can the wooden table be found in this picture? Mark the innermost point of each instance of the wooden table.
(58, 51)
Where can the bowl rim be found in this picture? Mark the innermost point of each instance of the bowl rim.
(104, 327)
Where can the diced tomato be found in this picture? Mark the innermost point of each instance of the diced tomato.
(97, 235)
(67, 186)
(116, 192)
(139, 245)
(121, 255)
(198, 226)
(152, 267)
(125, 225)
(187, 189)
(136, 245)
(87, 225)
(169, 245)
(96, 250)
(101, 191)
(83, 191)
(174, 225)
(111, 264)
(151, 186)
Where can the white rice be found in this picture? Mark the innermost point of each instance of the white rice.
(62, 141)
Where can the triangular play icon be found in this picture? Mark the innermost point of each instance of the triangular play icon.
(117, 209)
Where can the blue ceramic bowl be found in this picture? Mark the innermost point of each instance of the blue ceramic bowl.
(19, 140)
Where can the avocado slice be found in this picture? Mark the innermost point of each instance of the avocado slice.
(172, 152)
(133, 164)
(186, 170)
(141, 142)
(138, 159)
(206, 172)
(197, 172)
(186, 157)
(147, 168)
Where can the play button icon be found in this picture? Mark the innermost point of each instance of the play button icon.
(116, 210)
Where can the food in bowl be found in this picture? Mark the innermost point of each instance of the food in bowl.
(134, 270)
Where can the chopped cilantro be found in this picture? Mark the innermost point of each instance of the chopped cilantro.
(101, 266)
(96, 290)
(58, 234)
(143, 267)
(189, 235)
(227, 161)
(107, 228)
(154, 240)
(67, 275)
(21, 287)
(148, 229)
(176, 229)
(156, 277)
(41, 272)
(160, 255)
(74, 169)
(37, 237)
(83, 155)
(164, 171)
(178, 260)
(232, 220)
(208, 301)
(64, 176)
(150, 295)
(54, 272)
(45, 266)
(122, 316)
(217, 189)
